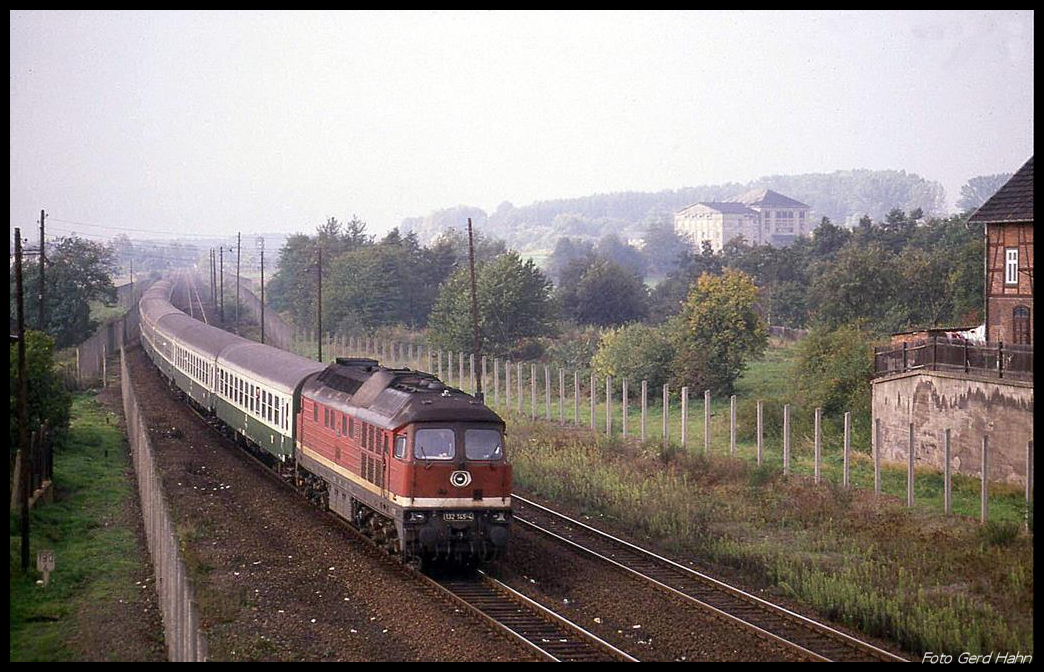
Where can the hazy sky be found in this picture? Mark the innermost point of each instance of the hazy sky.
(212, 122)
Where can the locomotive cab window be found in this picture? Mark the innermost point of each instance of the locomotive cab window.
(400, 447)
(434, 444)
(483, 444)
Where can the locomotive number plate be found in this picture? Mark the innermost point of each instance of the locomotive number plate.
(458, 516)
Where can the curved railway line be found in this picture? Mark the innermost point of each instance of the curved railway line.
(787, 628)
(535, 627)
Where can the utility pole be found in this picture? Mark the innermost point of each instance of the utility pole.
(221, 293)
(474, 309)
(319, 305)
(239, 238)
(261, 244)
(23, 411)
(43, 257)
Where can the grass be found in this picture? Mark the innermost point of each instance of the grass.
(772, 377)
(95, 560)
(103, 313)
(926, 581)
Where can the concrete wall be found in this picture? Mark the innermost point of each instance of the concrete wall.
(969, 407)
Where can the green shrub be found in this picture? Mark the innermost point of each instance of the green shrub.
(636, 352)
(999, 532)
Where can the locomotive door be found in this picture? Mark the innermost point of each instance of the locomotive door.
(382, 465)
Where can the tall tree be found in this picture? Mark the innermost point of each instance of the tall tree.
(514, 302)
(979, 189)
(717, 332)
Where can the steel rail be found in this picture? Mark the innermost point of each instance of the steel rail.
(837, 637)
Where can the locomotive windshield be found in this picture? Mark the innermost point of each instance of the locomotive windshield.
(433, 444)
(483, 444)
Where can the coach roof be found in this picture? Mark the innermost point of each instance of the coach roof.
(282, 370)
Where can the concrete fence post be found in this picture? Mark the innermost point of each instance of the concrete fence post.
(684, 416)
(910, 467)
(496, 382)
(440, 365)
(732, 426)
(623, 408)
(484, 378)
(460, 370)
(608, 405)
(533, 388)
(645, 407)
(104, 366)
(666, 413)
(1029, 482)
(847, 448)
(706, 422)
(877, 455)
(507, 385)
(786, 439)
(547, 392)
(471, 372)
(576, 398)
(561, 395)
(760, 430)
(947, 483)
(594, 425)
(449, 367)
(984, 488)
(818, 441)
(518, 386)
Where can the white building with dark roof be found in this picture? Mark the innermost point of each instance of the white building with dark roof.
(761, 217)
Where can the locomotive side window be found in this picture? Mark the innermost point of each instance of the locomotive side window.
(400, 447)
(315, 412)
(344, 424)
(483, 444)
(433, 444)
(351, 428)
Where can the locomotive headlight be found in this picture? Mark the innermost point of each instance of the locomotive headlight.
(417, 516)
(499, 516)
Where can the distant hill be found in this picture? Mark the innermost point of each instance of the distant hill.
(844, 196)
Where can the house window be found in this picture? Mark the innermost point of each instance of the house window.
(1020, 320)
(1011, 266)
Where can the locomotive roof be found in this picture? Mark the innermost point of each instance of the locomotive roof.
(391, 398)
(282, 370)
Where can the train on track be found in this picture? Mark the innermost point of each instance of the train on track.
(417, 465)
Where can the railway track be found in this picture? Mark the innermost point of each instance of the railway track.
(801, 634)
(514, 615)
(541, 629)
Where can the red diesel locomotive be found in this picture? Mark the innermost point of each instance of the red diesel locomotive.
(416, 464)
